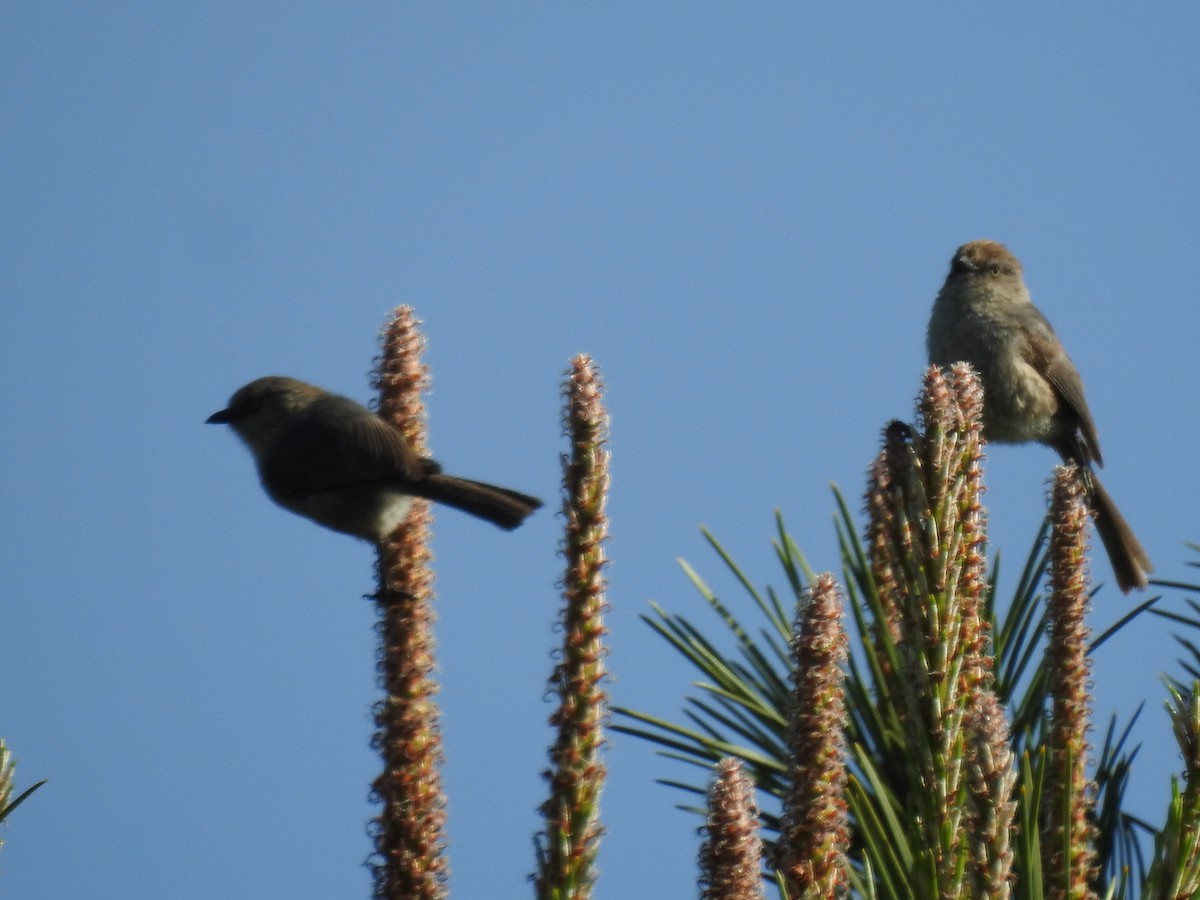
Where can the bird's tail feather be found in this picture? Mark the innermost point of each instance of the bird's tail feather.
(1130, 562)
(500, 506)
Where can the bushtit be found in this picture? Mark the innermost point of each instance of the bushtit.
(336, 462)
(1031, 391)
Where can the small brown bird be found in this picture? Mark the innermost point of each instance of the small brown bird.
(1031, 390)
(334, 461)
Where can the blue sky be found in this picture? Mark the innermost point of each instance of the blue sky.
(742, 212)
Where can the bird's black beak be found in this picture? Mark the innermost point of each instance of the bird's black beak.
(963, 264)
(219, 418)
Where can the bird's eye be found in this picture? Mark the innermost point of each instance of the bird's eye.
(995, 270)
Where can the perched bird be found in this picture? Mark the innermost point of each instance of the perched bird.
(1031, 391)
(334, 461)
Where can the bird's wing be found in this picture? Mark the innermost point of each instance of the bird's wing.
(1045, 353)
(336, 443)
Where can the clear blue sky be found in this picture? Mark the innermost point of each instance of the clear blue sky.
(743, 213)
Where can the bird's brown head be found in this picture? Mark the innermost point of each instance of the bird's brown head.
(258, 410)
(984, 260)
